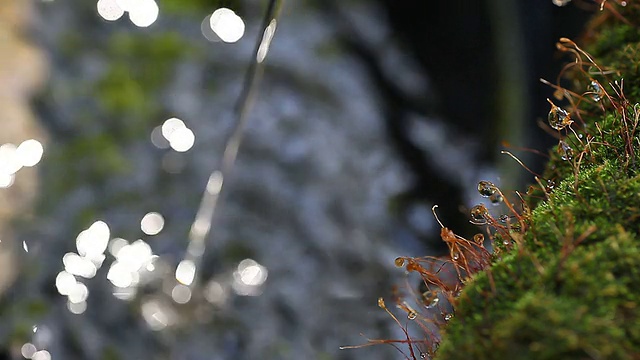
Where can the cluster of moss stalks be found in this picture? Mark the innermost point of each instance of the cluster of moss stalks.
(563, 280)
(570, 288)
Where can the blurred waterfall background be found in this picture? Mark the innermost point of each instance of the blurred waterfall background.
(113, 121)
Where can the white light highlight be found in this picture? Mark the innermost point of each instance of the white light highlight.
(109, 10)
(186, 272)
(41, 355)
(249, 277)
(119, 275)
(152, 223)
(65, 282)
(135, 255)
(182, 139)
(6, 180)
(171, 125)
(227, 25)
(92, 242)
(29, 152)
(9, 161)
(78, 293)
(116, 244)
(28, 350)
(266, 41)
(79, 265)
(143, 13)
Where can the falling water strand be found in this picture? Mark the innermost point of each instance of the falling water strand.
(209, 202)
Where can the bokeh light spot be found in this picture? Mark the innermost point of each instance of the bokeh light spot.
(215, 293)
(78, 293)
(77, 308)
(227, 25)
(65, 282)
(6, 180)
(9, 161)
(181, 294)
(143, 13)
(157, 139)
(171, 125)
(182, 139)
(186, 272)
(28, 350)
(249, 277)
(154, 315)
(29, 152)
(109, 10)
(41, 355)
(207, 31)
(92, 242)
(152, 223)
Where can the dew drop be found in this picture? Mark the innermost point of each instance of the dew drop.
(504, 218)
(565, 151)
(478, 239)
(486, 188)
(550, 185)
(430, 299)
(412, 315)
(433, 303)
(558, 117)
(423, 355)
(496, 199)
(448, 317)
(381, 303)
(399, 261)
(479, 214)
(455, 256)
(596, 90)
(506, 242)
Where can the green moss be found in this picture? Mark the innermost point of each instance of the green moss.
(571, 291)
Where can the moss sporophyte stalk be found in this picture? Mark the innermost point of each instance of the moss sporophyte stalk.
(555, 273)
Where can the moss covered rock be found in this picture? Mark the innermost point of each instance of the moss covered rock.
(571, 288)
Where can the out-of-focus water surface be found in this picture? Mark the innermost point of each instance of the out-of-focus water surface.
(303, 243)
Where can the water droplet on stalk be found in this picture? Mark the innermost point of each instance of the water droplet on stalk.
(565, 151)
(448, 317)
(478, 239)
(558, 117)
(550, 185)
(433, 303)
(479, 214)
(496, 199)
(597, 91)
(486, 188)
(399, 261)
(504, 218)
(412, 315)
